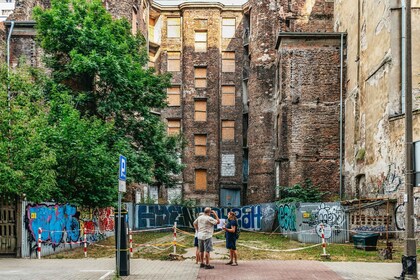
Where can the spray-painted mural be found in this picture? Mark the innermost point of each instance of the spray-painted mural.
(65, 223)
(249, 217)
(304, 221)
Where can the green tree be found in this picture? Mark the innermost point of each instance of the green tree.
(301, 192)
(26, 161)
(103, 65)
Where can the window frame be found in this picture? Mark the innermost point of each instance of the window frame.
(168, 93)
(200, 78)
(226, 59)
(179, 128)
(205, 42)
(177, 31)
(227, 96)
(197, 145)
(224, 128)
(173, 56)
(196, 172)
(229, 36)
(196, 111)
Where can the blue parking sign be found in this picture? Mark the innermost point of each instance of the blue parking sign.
(122, 174)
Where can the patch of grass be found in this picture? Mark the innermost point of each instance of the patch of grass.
(338, 252)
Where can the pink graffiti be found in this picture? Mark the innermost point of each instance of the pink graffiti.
(105, 218)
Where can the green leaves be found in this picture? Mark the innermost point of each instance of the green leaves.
(302, 192)
(98, 68)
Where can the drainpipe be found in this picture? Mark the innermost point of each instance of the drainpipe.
(403, 55)
(8, 62)
(341, 115)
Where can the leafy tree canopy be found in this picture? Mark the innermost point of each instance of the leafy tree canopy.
(102, 66)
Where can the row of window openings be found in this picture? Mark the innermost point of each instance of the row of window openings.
(228, 30)
(200, 140)
(174, 64)
(174, 97)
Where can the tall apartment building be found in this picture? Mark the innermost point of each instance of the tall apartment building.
(201, 45)
(247, 100)
(6, 9)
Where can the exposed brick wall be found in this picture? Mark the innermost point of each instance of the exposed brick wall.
(261, 103)
(306, 15)
(308, 112)
(195, 18)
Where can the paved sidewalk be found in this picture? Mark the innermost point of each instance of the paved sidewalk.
(103, 269)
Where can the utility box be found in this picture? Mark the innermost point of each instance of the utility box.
(366, 241)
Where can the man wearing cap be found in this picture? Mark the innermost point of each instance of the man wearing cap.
(205, 226)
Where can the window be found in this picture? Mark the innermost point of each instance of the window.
(201, 179)
(200, 110)
(174, 27)
(200, 144)
(200, 77)
(200, 43)
(228, 95)
(174, 96)
(228, 61)
(174, 61)
(228, 130)
(134, 23)
(174, 127)
(228, 27)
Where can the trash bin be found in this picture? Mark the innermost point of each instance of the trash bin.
(366, 241)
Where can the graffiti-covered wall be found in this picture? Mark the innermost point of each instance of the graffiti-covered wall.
(252, 217)
(62, 226)
(303, 221)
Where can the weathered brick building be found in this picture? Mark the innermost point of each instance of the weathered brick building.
(307, 96)
(257, 109)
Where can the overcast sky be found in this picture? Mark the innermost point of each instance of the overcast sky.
(177, 2)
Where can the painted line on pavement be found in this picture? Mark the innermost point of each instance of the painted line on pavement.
(106, 274)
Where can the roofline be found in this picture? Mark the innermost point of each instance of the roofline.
(197, 5)
(23, 23)
(311, 35)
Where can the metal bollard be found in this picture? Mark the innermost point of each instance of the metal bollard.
(85, 242)
(39, 243)
(174, 238)
(130, 237)
(324, 244)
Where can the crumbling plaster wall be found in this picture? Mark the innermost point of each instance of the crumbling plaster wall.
(374, 128)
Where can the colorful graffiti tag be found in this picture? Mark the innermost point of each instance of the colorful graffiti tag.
(287, 217)
(63, 223)
(54, 220)
(249, 217)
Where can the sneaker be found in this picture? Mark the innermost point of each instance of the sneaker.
(209, 266)
(202, 265)
(234, 264)
(229, 263)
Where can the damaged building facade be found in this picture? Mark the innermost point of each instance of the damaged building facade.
(267, 93)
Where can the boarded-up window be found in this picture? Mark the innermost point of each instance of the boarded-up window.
(228, 27)
(174, 61)
(228, 95)
(228, 61)
(174, 27)
(200, 43)
(134, 23)
(200, 77)
(174, 96)
(201, 179)
(228, 130)
(200, 144)
(174, 127)
(200, 110)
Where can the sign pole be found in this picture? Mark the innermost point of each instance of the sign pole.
(122, 176)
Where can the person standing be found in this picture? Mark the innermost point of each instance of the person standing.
(230, 230)
(205, 227)
(197, 250)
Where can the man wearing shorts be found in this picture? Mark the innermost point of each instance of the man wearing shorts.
(205, 226)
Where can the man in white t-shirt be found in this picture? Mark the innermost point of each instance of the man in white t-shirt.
(205, 226)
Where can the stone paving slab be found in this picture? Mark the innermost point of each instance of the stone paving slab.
(104, 269)
(251, 270)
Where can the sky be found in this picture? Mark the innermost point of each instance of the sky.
(177, 2)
